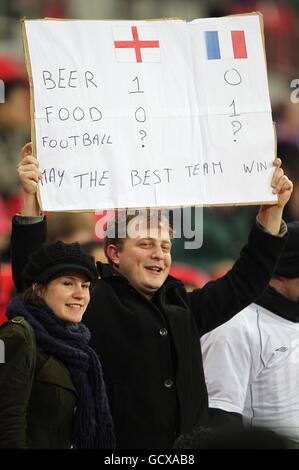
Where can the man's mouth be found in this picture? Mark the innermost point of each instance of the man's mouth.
(154, 269)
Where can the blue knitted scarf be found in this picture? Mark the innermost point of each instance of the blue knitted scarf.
(68, 342)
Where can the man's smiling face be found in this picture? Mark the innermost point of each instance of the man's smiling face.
(145, 259)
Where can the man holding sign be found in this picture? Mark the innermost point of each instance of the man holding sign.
(145, 326)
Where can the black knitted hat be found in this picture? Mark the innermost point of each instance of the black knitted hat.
(288, 264)
(52, 259)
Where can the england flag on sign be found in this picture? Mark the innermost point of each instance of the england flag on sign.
(136, 44)
(225, 45)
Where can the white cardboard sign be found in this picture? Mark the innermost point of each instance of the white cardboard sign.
(150, 113)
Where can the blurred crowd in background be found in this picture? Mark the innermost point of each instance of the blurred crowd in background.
(224, 229)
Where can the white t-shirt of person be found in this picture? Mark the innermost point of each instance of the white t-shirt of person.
(251, 366)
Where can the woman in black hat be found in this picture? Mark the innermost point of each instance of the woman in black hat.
(52, 393)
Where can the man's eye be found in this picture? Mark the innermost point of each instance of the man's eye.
(67, 283)
(85, 286)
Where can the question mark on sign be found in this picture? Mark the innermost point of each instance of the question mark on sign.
(237, 125)
(144, 134)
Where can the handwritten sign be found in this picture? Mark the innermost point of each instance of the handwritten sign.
(150, 114)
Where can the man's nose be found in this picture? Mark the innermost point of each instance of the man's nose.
(157, 252)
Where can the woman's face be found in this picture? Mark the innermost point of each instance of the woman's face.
(68, 296)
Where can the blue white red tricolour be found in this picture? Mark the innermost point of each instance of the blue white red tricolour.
(225, 45)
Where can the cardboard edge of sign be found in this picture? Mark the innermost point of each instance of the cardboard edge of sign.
(32, 110)
(32, 113)
(97, 210)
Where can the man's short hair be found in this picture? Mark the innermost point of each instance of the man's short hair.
(118, 228)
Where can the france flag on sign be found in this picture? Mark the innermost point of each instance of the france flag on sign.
(225, 45)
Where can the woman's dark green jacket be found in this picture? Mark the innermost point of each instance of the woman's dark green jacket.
(38, 414)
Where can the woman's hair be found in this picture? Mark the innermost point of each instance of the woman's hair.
(34, 294)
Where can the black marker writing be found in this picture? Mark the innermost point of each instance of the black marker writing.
(234, 109)
(64, 79)
(237, 126)
(85, 140)
(232, 77)
(258, 167)
(77, 113)
(138, 86)
(149, 177)
(92, 178)
(52, 176)
(204, 169)
(140, 114)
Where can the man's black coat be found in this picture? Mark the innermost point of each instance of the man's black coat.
(150, 349)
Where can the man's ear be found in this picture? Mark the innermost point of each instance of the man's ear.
(113, 254)
(280, 278)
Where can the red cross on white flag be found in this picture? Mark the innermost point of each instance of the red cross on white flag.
(136, 44)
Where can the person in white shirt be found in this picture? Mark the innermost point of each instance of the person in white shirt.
(251, 363)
